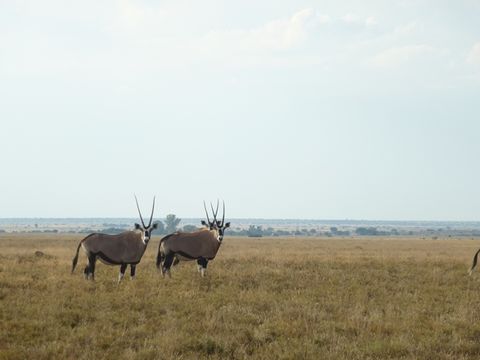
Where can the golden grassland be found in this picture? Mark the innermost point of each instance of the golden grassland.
(269, 298)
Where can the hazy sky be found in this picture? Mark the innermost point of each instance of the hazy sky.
(285, 109)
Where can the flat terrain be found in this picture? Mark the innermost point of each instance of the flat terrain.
(262, 298)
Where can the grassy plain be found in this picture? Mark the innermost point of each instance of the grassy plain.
(262, 298)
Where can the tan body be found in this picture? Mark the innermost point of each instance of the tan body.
(201, 246)
(192, 246)
(125, 248)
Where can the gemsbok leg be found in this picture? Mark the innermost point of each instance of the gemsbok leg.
(123, 267)
(167, 263)
(90, 269)
(132, 271)
(202, 266)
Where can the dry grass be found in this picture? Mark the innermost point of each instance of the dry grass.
(263, 298)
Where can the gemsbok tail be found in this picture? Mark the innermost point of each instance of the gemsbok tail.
(160, 258)
(75, 259)
(475, 258)
(160, 254)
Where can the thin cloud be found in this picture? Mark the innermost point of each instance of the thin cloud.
(371, 21)
(281, 34)
(355, 19)
(397, 56)
(474, 54)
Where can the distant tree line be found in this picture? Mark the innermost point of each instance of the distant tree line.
(259, 231)
(167, 226)
(171, 224)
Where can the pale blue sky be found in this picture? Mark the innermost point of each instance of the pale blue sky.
(286, 109)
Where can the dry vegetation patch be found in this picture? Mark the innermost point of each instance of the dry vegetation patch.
(262, 298)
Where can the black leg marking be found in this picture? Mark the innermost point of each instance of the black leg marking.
(132, 270)
(202, 265)
(123, 267)
(91, 266)
(167, 263)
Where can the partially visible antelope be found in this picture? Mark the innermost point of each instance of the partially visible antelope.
(123, 249)
(475, 259)
(201, 245)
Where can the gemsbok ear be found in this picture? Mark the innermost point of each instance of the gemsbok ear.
(204, 223)
(227, 225)
(155, 226)
(137, 226)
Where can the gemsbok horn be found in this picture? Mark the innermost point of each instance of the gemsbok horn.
(201, 245)
(124, 249)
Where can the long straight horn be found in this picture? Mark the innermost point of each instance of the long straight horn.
(223, 217)
(151, 215)
(139, 212)
(214, 212)
(206, 212)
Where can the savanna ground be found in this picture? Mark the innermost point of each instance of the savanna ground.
(262, 298)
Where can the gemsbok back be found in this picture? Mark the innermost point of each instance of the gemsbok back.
(201, 245)
(124, 249)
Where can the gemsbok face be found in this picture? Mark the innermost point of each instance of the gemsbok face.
(201, 245)
(123, 249)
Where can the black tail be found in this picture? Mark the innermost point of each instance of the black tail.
(160, 254)
(75, 259)
(475, 258)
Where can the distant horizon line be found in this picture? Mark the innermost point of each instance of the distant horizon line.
(251, 218)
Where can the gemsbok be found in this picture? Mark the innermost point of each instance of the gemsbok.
(201, 245)
(475, 259)
(124, 249)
